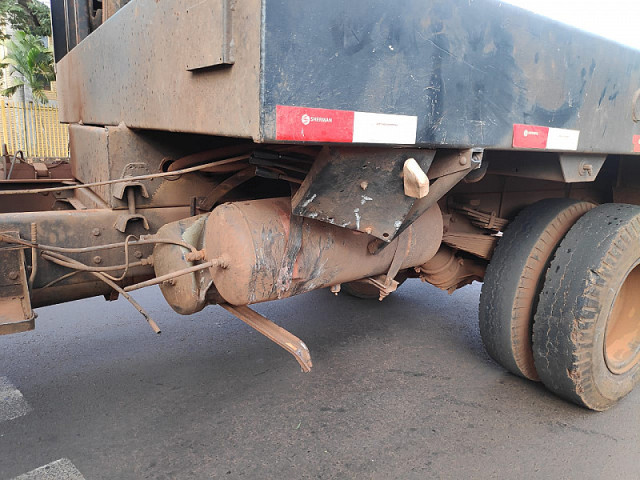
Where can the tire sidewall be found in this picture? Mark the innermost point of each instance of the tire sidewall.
(514, 280)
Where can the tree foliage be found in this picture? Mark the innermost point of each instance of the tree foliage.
(30, 16)
(30, 64)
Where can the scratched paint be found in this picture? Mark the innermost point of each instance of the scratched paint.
(306, 203)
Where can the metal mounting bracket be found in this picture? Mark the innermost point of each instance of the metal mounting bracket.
(123, 220)
(580, 167)
(273, 332)
(448, 168)
(16, 314)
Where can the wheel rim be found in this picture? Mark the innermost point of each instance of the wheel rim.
(622, 338)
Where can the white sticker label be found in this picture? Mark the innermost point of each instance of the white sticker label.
(563, 139)
(383, 128)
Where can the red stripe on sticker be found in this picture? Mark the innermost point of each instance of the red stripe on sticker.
(636, 143)
(530, 136)
(314, 124)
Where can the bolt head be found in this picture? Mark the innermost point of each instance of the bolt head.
(463, 160)
(97, 259)
(13, 275)
(137, 254)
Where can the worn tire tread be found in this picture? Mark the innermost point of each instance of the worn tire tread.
(575, 300)
(514, 277)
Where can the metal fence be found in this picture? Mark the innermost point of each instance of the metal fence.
(34, 129)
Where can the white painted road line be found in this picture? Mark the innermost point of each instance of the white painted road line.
(61, 469)
(12, 403)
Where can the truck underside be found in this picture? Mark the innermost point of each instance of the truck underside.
(241, 152)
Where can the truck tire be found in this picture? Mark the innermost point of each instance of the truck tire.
(586, 334)
(514, 278)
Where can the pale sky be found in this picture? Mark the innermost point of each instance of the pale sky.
(618, 20)
(615, 19)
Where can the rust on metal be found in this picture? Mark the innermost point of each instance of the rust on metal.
(34, 255)
(135, 304)
(107, 280)
(448, 162)
(15, 303)
(195, 256)
(384, 284)
(449, 271)
(472, 231)
(478, 244)
(47, 171)
(189, 293)
(71, 233)
(106, 182)
(275, 333)
(110, 7)
(270, 256)
(450, 169)
(208, 202)
(173, 275)
(333, 190)
(232, 155)
(110, 92)
(484, 220)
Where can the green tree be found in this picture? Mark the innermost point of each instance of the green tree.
(30, 16)
(30, 64)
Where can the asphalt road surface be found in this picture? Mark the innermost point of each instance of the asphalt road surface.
(400, 390)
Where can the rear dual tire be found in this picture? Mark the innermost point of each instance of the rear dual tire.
(586, 332)
(514, 278)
